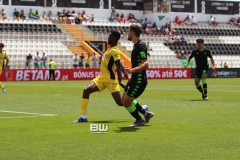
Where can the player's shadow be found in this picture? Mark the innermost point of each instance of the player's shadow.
(196, 100)
(110, 121)
(128, 129)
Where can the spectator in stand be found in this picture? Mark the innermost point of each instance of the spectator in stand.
(70, 18)
(85, 17)
(65, 18)
(32, 15)
(144, 23)
(183, 39)
(169, 25)
(45, 16)
(193, 21)
(154, 28)
(131, 18)
(61, 17)
(94, 60)
(170, 38)
(162, 30)
(180, 55)
(92, 18)
(225, 65)
(43, 61)
(36, 61)
(148, 46)
(22, 15)
(87, 62)
(123, 18)
(76, 19)
(238, 22)
(187, 20)
(1, 15)
(75, 61)
(111, 18)
(211, 20)
(28, 61)
(178, 21)
(166, 31)
(16, 14)
(80, 17)
(4, 15)
(113, 9)
(176, 38)
(37, 15)
(81, 59)
(214, 22)
(118, 18)
(51, 17)
(233, 21)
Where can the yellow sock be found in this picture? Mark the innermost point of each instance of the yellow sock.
(84, 105)
(0, 84)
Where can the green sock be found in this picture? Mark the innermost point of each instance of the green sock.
(133, 111)
(139, 108)
(204, 84)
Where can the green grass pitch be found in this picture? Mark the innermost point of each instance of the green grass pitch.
(36, 122)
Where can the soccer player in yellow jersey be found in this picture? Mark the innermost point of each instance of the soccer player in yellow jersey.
(110, 77)
(3, 56)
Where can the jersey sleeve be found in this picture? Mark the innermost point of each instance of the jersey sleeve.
(209, 54)
(116, 54)
(143, 52)
(192, 54)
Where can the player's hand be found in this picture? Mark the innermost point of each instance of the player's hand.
(127, 70)
(122, 85)
(213, 67)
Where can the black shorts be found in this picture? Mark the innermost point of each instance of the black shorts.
(75, 65)
(200, 72)
(134, 88)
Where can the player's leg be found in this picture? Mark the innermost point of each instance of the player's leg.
(130, 105)
(50, 74)
(2, 86)
(94, 86)
(204, 84)
(53, 74)
(198, 76)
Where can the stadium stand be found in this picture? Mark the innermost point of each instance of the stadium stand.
(61, 41)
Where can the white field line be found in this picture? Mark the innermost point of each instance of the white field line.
(17, 117)
(166, 88)
(36, 114)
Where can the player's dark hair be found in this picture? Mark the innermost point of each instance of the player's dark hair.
(136, 29)
(200, 41)
(1, 45)
(116, 34)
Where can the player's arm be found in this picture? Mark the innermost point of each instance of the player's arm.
(119, 72)
(212, 60)
(189, 58)
(142, 66)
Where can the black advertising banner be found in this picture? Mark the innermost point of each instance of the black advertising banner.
(101, 4)
(218, 7)
(221, 73)
(182, 6)
(28, 3)
(4, 2)
(128, 4)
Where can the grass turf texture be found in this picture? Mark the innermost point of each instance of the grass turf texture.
(184, 126)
